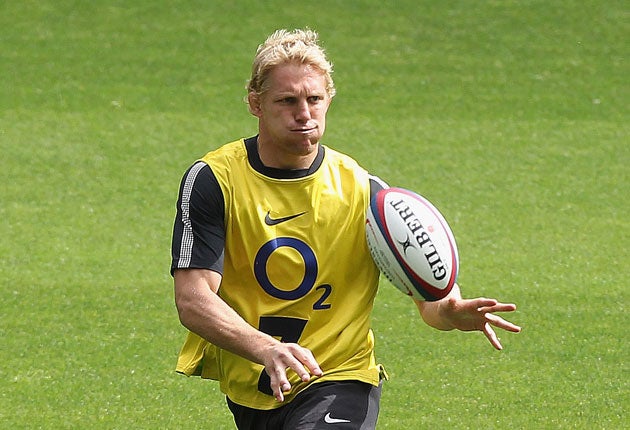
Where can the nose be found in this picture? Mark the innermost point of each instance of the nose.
(302, 111)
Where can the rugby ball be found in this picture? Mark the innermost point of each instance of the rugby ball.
(412, 244)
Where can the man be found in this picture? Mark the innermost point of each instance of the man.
(273, 277)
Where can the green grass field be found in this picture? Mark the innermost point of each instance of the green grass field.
(511, 116)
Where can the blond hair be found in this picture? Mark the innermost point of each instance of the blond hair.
(283, 47)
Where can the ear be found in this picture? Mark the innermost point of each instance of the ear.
(253, 100)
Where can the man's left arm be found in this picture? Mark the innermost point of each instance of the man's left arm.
(455, 312)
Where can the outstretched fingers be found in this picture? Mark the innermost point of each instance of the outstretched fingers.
(489, 332)
(491, 319)
(494, 306)
(502, 323)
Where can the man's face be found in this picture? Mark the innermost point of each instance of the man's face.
(292, 115)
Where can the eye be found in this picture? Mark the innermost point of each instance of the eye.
(287, 100)
(315, 99)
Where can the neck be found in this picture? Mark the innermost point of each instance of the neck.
(275, 156)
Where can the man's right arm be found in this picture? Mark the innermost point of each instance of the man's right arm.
(203, 312)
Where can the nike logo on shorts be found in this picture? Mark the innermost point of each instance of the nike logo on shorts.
(330, 420)
(276, 221)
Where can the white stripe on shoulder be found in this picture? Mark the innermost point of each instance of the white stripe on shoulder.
(185, 252)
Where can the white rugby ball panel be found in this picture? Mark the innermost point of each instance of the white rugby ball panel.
(412, 244)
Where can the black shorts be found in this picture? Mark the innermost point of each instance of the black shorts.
(326, 405)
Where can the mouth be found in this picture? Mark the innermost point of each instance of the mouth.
(304, 130)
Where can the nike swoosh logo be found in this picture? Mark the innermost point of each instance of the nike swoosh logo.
(276, 221)
(330, 420)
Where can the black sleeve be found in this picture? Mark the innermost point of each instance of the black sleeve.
(199, 227)
(376, 185)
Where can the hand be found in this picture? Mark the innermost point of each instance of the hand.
(478, 314)
(283, 356)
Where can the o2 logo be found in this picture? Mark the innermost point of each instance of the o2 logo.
(310, 272)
